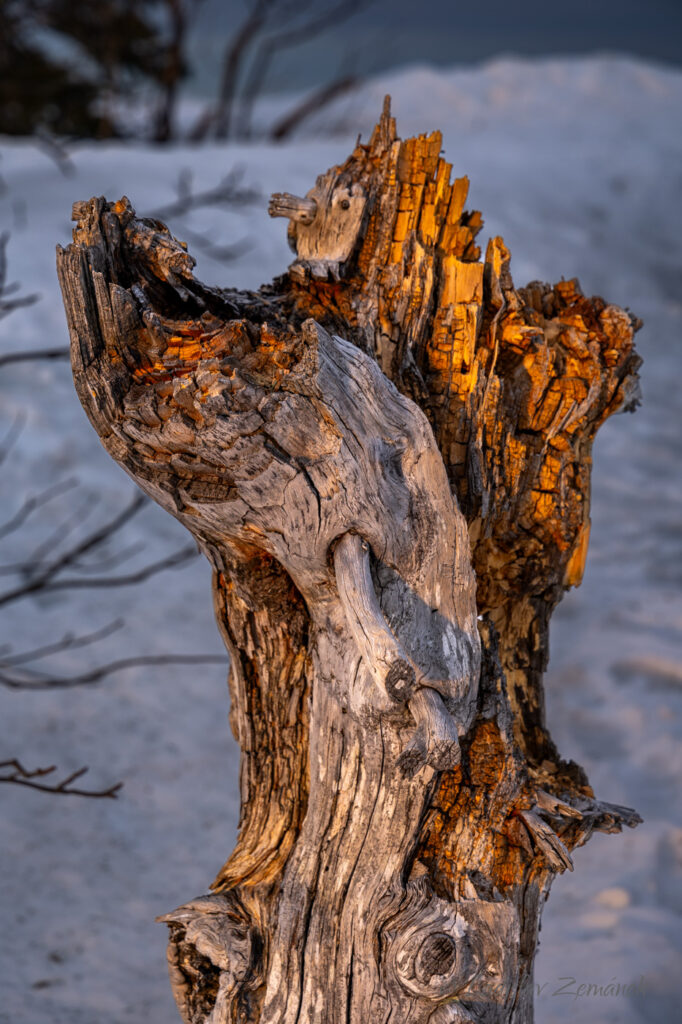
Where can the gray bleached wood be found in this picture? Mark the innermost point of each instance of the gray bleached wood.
(347, 446)
(302, 464)
(436, 741)
(381, 651)
(324, 227)
(283, 204)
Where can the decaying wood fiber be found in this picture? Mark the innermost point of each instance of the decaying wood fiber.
(385, 455)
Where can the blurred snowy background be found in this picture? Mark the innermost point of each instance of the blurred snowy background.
(577, 162)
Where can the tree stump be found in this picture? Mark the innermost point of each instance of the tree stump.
(385, 455)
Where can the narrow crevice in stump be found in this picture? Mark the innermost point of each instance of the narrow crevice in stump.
(385, 455)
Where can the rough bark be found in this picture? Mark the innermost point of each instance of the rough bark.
(385, 455)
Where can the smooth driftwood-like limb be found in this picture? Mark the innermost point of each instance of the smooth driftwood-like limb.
(385, 455)
(436, 740)
(380, 649)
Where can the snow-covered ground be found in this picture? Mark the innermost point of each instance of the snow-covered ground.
(578, 164)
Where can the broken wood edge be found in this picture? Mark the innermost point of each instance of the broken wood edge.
(547, 841)
(284, 204)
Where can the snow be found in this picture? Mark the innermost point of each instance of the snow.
(577, 163)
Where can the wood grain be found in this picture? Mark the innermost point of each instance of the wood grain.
(385, 456)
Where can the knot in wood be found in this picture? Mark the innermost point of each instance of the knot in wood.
(435, 956)
(400, 680)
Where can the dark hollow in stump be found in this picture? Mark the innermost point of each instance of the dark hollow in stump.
(385, 456)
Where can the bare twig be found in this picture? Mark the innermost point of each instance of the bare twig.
(54, 539)
(228, 192)
(34, 502)
(8, 305)
(12, 436)
(273, 44)
(137, 502)
(216, 118)
(45, 583)
(175, 66)
(56, 150)
(35, 354)
(32, 680)
(311, 104)
(70, 557)
(20, 776)
(112, 561)
(177, 558)
(44, 576)
(220, 253)
(69, 642)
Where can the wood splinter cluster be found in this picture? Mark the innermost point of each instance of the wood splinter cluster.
(385, 455)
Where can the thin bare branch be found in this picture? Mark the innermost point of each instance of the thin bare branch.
(17, 775)
(216, 119)
(220, 253)
(34, 502)
(57, 536)
(69, 642)
(172, 561)
(178, 14)
(286, 38)
(113, 561)
(32, 680)
(104, 532)
(12, 436)
(46, 575)
(45, 583)
(311, 104)
(55, 149)
(32, 355)
(8, 305)
(228, 192)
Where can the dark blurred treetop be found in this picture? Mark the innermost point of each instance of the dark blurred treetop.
(66, 67)
(64, 64)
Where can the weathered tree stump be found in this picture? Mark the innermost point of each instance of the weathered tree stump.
(385, 455)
